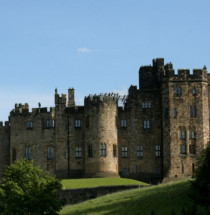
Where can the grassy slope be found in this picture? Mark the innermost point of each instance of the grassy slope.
(163, 199)
(97, 182)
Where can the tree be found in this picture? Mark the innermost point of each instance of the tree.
(201, 186)
(25, 190)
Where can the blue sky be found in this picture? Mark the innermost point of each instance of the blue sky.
(93, 45)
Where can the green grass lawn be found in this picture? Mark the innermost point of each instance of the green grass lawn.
(162, 199)
(98, 182)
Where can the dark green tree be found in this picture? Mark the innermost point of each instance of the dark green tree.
(201, 186)
(25, 190)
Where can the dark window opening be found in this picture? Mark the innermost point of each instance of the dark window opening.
(90, 150)
(114, 150)
(103, 149)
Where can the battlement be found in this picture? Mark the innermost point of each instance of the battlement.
(21, 106)
(76, 109)
(5, 124)
(60, 100)
(186, 75)
(42, 110)
(158, 62)
(101, 99)
(23, 110)
(132, 91)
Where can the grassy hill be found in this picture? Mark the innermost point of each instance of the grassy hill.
(165, 199)
(98, 182)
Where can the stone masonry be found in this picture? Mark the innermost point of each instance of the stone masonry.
(156, 134)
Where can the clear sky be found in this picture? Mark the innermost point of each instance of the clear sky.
(93, 45)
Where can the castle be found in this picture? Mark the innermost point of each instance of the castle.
(157, 133)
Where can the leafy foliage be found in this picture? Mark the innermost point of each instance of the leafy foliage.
(25, 190)
(201, 186)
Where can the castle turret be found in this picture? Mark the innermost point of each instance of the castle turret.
(101, 136)
(71, 102)
(149, 76)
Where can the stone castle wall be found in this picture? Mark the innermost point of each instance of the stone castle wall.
(140, 140)
(4, 145)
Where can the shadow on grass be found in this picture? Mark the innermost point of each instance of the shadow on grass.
(168, 200)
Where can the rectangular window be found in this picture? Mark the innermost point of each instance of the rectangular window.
(157, 151)
(192, 111)
(50, 123)
(50, 153)
(192, 149)
(90, 150)
(183, 149)
(177, 91)
(78, 152)
(124, 151)
(77, 123)
(28, 153)
(146, 124)
(139, 151)
(29, 125)
(174, 113)
(103, 149)
(114, 150)
(146, 105)
(123, 123)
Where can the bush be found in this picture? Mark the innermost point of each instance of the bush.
(25, 190)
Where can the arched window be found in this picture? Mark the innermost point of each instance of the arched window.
(182, 134)
(50, 153)
(192, 134)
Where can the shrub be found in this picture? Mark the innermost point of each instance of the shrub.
(25, 190)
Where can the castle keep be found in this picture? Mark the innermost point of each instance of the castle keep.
(158, 132)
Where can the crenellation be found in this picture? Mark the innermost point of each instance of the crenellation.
(183, 73)
(155, 132)
(168, 66)
(97, 100)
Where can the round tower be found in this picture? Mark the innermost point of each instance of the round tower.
(101, 155)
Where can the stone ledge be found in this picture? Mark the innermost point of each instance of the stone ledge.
(74, 196)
